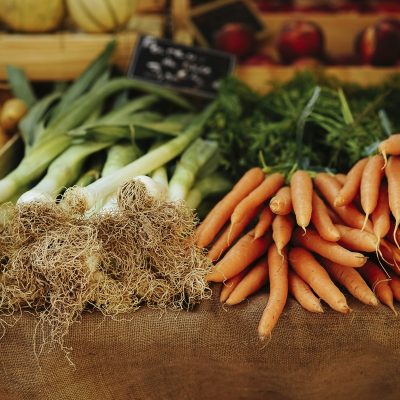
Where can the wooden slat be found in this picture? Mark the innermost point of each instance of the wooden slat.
(61, 56)
(261, 78)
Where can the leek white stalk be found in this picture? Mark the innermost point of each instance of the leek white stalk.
(33, 165)
(62, 172)
(102, 188)
(214, 184)
(119, 155)
(191, 161)
(160, 174)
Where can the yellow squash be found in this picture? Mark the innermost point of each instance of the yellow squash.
(101, 15)
(32, 15)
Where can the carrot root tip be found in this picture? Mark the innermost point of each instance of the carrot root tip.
(396, 228)
(365, 221)
(384, 155)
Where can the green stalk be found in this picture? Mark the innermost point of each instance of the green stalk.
(102, 188)
(86, 79)
(33, 165)
(211, 185)
(84, 105)
(105, 131)
(140, 103)
(191, 161)
(149, 129)
(30, 126)
(20, 86)
(119, 155)
(93, 171)
(160, 174)
(63, 171)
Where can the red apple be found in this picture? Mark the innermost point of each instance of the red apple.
(379, 44)
(235, 38)
(298, 39)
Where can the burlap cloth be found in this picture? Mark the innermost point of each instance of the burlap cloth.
(211, 353)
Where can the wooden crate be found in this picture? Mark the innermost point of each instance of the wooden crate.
(60, 56)
(64, 55)
(261, 78)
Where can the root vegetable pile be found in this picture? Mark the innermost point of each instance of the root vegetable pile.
(316, 237)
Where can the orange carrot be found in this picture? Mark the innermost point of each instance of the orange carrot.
(278, 277)
(322, 221)
(282, 228)
(370, 183)
(381, 215)
(239, 256)
(301, 189)
(264, 222)
(254, 280)
(394, 284)
(352, 281)
(230, 234)
(302, 292)
(341, 178)
(221, 213)
(229, 286)
(333, 216)
(329, 188)
(351, 185)
(308, 268)
(393, 178)
(391, 233)
(390, 146)
(260, 194)
(379, 283)
(391, 255)
(281, 203)
(330, 250)
(356, 239)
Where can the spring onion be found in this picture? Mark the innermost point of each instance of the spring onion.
(160, 174)
(93, 170)
(106, 186)
(62, 172)
(194, 157)
(32, 166)
(119, 155)
(214, 184)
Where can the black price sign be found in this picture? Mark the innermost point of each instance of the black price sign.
(192, 70)
(207, 19)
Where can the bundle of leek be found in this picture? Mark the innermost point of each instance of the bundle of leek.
(117, 237)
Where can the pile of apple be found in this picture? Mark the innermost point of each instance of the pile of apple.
(302, 42)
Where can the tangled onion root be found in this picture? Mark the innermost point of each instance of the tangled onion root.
(58, 261)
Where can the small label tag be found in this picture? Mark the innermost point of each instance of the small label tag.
(192, 70)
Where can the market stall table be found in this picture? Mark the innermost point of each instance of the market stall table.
(211, 353)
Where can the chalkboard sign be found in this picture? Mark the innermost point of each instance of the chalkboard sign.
(207, 19)
(192, 70)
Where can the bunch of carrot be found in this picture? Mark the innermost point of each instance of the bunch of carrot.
(310, 237)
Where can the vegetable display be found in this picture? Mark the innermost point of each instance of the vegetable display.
(100, 213)
(95, 214)
(343, 226)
